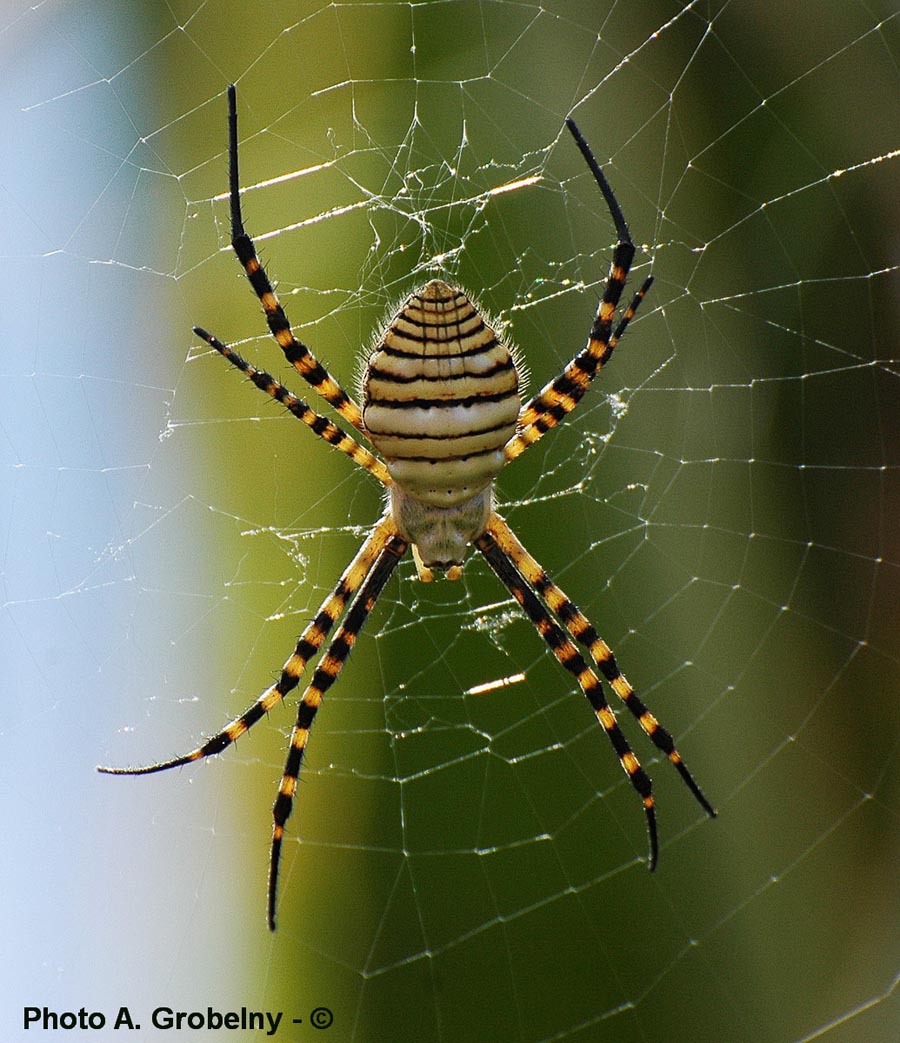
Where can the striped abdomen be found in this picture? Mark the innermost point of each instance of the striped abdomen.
(440, 397)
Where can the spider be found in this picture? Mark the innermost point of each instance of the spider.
(441, 406)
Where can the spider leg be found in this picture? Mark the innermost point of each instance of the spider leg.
(307, 645)
(558, 398)
(326, 674)
(578, 625)
(295, 351)
(570, 658)
(561, 395)
(322, 426)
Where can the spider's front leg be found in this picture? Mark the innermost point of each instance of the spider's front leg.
(571, 659)
(583, 631)
(308, 644)
(326, 674)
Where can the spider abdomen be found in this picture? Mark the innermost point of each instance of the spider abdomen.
(441, 397)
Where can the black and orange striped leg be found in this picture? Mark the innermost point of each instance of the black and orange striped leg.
(578, 625)
(561, 395)
(321, 425)
(326, 674)
(558, 398)
(296, 352)
(570, 658)
(627, 316)
(309, 642)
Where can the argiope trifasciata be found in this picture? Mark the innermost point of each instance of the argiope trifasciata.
(441, 405)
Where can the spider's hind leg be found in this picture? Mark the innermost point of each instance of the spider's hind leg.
(321, 425)
(295, 351)
(562, 394)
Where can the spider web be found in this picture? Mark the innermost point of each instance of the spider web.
(466, 860)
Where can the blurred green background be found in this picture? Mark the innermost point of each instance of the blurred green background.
(723, 505)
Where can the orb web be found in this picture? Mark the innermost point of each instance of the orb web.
(466, 859)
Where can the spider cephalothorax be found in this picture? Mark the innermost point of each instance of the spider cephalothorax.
(441, 405)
